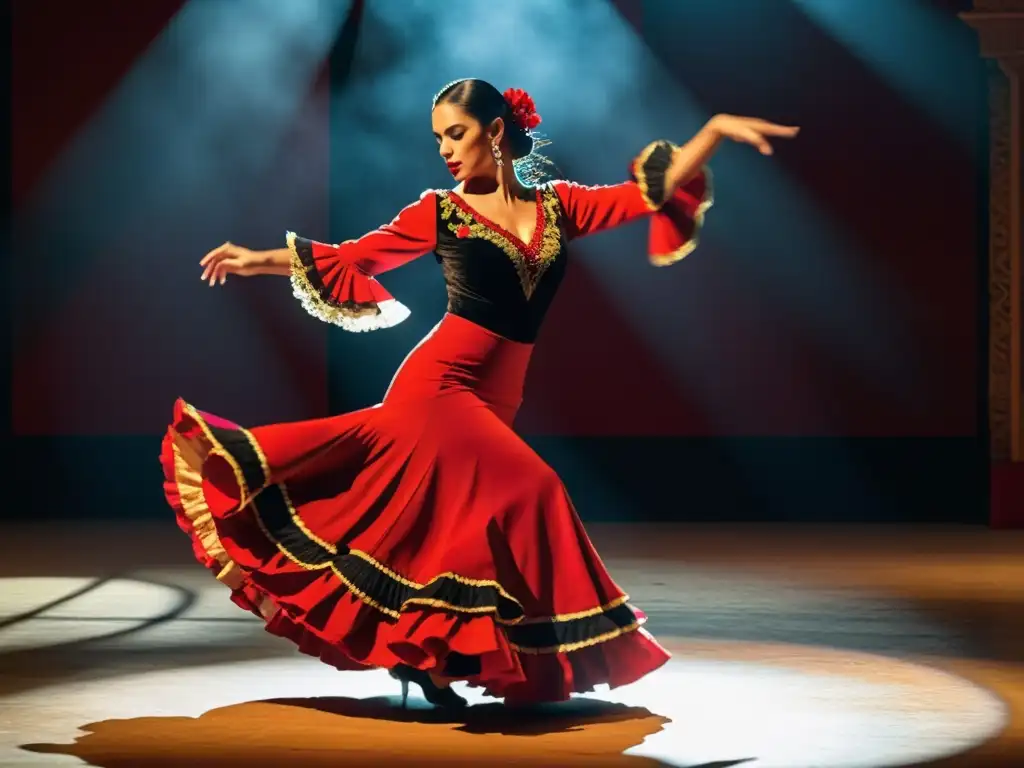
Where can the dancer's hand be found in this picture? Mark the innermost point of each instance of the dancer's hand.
(751, 130)
(229, 259)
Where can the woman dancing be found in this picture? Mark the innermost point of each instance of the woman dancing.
(422, 535)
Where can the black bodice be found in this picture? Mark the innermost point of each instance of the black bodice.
(493, 278)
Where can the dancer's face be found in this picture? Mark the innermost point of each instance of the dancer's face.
(465, 144)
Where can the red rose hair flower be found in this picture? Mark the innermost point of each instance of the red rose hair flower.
(524, 112)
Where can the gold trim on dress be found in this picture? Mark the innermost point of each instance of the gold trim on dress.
(641, 173)
(447, 575)
(333, 551)
(310, 297)
(189, 483)
(667, 259)
(529, 271)
(258, 450)
(244, 494)
(353, 317)
(570, 647)
(561, 617)
(434, 602)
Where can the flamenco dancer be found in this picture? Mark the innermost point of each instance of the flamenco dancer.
(422, 535)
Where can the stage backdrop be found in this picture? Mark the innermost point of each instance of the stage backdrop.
(816, 358)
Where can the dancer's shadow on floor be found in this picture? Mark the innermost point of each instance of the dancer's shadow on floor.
(490, 718)
(374, 731)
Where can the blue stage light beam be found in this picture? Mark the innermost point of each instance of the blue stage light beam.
(900, 40)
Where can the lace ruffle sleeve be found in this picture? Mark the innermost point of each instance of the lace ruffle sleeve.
(337, 283)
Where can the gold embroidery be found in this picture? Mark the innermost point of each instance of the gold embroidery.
(310, 297)
(551, 240)
(530, 271)
(350, 316)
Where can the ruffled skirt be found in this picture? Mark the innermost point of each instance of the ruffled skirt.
(422, 531)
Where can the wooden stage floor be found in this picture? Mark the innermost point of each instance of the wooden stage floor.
(794, 647)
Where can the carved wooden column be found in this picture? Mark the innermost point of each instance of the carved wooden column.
(1000, 28)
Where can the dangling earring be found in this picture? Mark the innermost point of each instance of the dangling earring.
(496, 151)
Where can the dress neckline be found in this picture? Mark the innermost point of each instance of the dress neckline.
(528, 249)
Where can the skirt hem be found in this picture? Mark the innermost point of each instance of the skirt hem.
(355, 613)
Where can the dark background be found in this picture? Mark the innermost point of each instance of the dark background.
(815, 361)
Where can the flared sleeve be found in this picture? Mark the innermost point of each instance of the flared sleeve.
(337, 283)
(676, 217)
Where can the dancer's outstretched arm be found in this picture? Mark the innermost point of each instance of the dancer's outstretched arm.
(335, 283)
(669, 184)
(410, 234)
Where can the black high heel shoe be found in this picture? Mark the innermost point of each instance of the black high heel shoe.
(440, 697)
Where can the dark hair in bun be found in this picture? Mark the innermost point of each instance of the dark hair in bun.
(485, 103)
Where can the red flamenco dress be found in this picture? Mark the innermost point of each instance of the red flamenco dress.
(423, 531)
